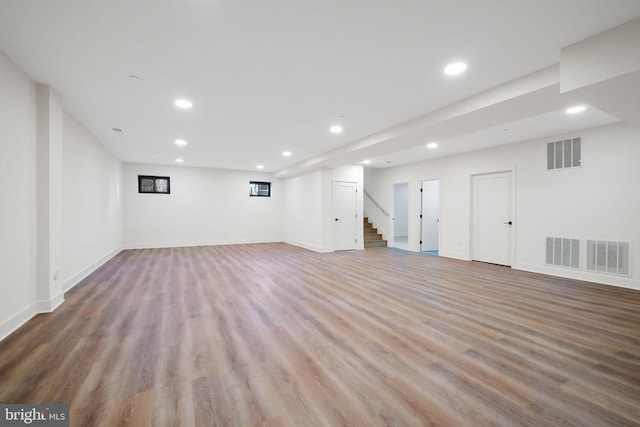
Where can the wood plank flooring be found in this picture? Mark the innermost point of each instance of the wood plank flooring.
(274, 335)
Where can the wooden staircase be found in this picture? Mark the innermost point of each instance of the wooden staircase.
(372, 239)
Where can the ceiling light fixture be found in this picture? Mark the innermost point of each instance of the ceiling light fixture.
(432, 145)
(335, 129)
(260, 166)
(179, 160)
(366, 162)
(286, 153)
(576, 109)
(455, 68)
(181, 142)
(184, 103)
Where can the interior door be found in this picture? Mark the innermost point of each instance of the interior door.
(344, 215)
(430, 216)
(492, 222)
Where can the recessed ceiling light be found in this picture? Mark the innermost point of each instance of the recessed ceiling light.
(179, 160)
(455, 68)
(286, 153)
(335, 129)
(576, 109)
(181, 142)
(366, 162)
(184, 103)
(260, 166)
(432, 145)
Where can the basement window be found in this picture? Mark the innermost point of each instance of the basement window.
(154, 184)
(259, 189)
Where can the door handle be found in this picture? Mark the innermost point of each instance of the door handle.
(508, 223)
(337, 219)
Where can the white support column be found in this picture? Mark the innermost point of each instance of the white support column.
(49, 293)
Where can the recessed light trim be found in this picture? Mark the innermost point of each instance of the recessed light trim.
(336, 129)
(180, 160)
(260, 166)
(183, 103)
(455, 68)
(286, 153)
(576, 109)
(432, 145)
(181, 142)
(366, 162)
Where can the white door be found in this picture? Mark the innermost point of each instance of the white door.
(429, 214)
(345, 215)
(492, 222)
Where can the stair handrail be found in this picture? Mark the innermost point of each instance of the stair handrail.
(376, 203)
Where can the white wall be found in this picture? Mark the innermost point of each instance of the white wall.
(17, 197)
(596, 201)
(302, 218)
(92, 203)
(58, 207)
(205, 207)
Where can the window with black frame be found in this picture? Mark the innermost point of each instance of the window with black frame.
(259, 189)
(154, 184)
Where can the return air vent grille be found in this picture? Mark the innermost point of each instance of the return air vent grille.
(564, 154)
(608, 257)
(563, 252)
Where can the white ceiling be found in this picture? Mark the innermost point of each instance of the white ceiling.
(271, 76)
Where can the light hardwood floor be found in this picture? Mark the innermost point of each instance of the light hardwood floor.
(271, 334)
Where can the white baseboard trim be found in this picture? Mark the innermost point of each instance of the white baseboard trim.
(455, 255)
(79, 276)
(309, 247)
(14, 322)
(47, 306)
(586, 276)
(198, 243)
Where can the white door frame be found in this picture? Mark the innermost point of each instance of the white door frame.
(512, 237)
(353, 216)
(392, 227)
(421, 214)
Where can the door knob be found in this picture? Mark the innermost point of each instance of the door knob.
(508, 223)
(337, 219)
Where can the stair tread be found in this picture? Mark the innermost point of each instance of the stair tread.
(372, 238)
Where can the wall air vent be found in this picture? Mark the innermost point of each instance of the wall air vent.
(605, 256)
(563, 252)
(564, 154)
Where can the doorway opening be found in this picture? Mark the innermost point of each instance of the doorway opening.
(400, 216)
(430, 217)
